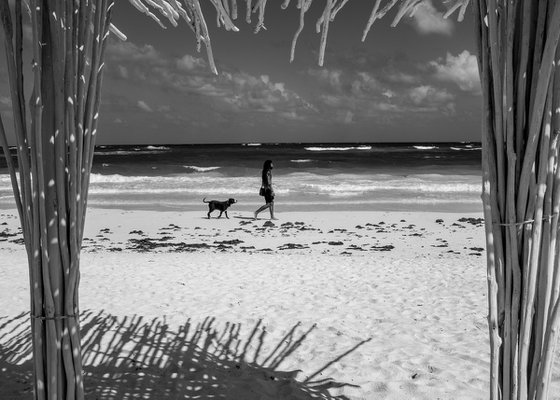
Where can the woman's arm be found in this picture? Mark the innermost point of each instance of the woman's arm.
(269, 181)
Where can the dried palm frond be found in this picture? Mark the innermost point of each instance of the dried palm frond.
(226, 13)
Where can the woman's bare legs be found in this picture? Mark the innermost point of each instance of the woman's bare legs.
(270, 206)
(262, 208)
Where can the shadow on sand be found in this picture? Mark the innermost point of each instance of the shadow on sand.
(132, 357)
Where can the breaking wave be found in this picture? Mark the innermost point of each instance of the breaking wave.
(335, 148)
(200, 169)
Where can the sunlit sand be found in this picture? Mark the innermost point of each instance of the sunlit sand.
(368, 305)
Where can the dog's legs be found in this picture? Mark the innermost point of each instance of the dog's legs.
(209, 214)
(221, 212)
(226, 215)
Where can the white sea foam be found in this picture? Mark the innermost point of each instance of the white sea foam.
(405, 186)
(128, 152)
(295, 184)
(424, 147)
(302, 161)
(465, 148)
(167, 191)
(338, 148)
(180, 183)
(157, 180)
(116, 178)
(200, 169)
(157, 148)
(304, 187)
(252, 144)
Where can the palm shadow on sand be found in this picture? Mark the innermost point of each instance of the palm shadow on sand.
(132, 357)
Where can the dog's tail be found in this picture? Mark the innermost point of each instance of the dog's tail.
(204, 200)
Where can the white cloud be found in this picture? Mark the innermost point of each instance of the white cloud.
(331, 100)
(129, 52)
(280, 87)
(461, 70)
(400, 77)
(449, 109)
(143, 106)
(189, 63)
(330, 77)
(350, 95)
(189, 76)
(388, 93)
(368, 83)
(123, 71)
(382, 106)
(427, 94)
(293, 115)
(210, 89)
(426, 19)
(349, 117)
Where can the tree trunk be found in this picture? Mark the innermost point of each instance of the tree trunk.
(54, 158)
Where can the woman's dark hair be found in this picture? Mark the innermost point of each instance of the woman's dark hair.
(267, 166)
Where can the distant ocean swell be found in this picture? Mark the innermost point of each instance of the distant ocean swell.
(333, 176)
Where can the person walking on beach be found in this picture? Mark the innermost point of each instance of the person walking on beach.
(266, 189)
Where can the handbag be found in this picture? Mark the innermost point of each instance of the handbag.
(262, 191)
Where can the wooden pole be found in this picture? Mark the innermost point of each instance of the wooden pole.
(54, 162)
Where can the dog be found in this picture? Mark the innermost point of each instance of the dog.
(221, 206)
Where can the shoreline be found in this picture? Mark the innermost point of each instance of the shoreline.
(465, 207)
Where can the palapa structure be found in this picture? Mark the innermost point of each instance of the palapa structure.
(55, 129)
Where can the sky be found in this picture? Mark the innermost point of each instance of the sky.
(417, 82)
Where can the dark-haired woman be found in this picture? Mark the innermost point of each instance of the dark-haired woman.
(266, 189)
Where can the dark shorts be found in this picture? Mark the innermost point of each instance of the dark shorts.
(268, 196)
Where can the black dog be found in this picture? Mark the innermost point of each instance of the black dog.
(222, 206)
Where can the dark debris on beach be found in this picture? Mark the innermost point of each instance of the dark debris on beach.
(472, 221)
(285, 236)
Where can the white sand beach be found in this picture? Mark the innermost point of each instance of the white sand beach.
(357, 305)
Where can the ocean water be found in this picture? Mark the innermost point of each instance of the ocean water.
(399, 177)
